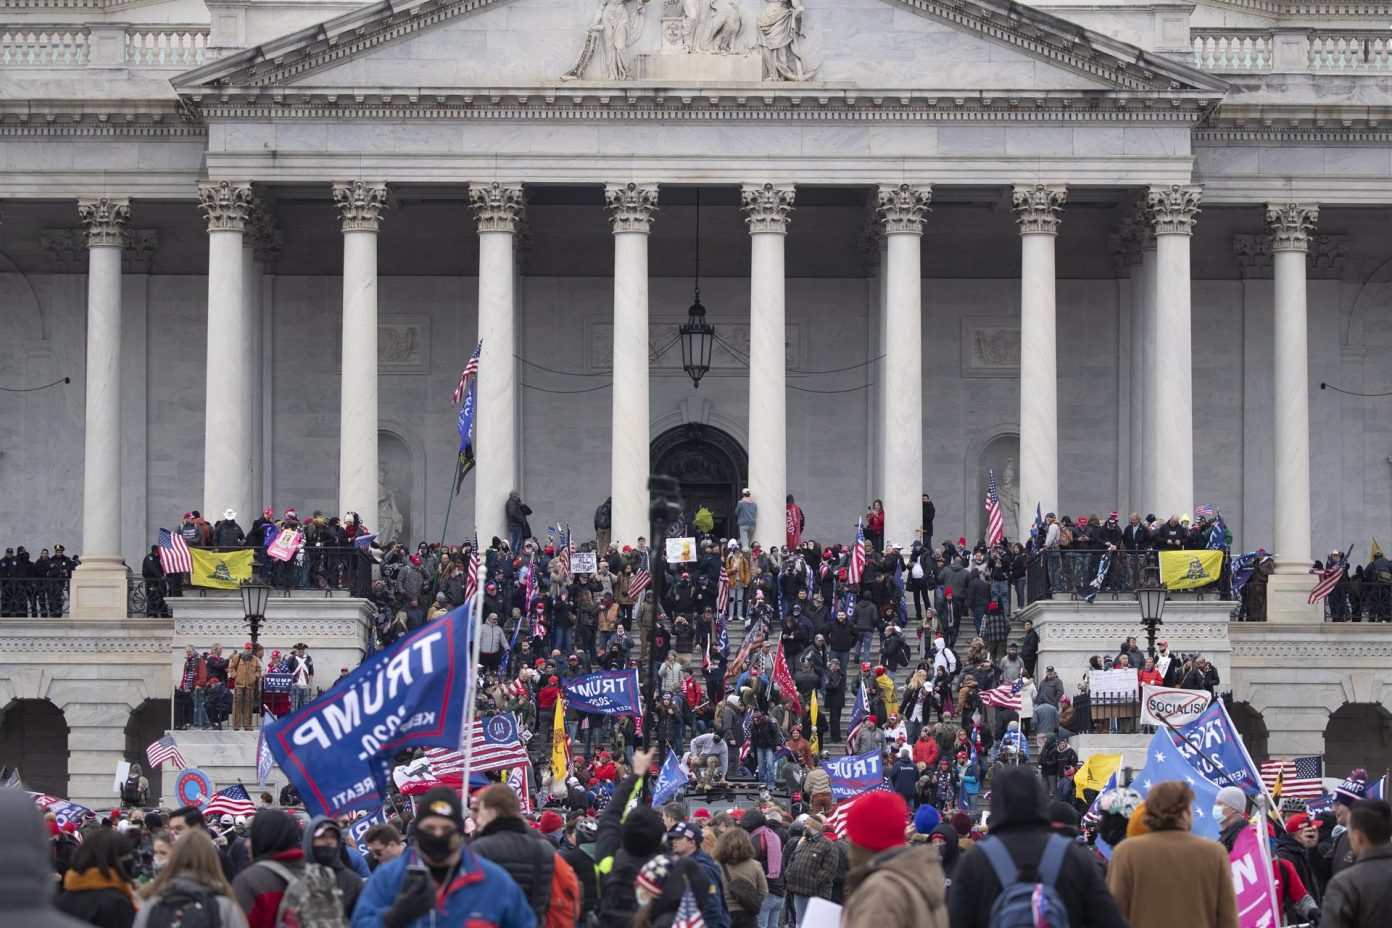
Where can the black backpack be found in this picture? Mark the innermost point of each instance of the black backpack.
(130, 791)
(185, 906)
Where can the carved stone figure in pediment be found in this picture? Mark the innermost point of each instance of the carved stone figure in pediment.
(616, 26)
(780, 40)
(723, 26)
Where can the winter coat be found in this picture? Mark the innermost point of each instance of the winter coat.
(26, 867)
(750, 872)
(242, 672)
(1050, 691)
(901, 886)
(481, 893)
(903, 777)
(1360, 895)
(812, 866)
(869, 739)
(491, 639)
(1198, 865)
(104, 901)
(526, 856)
(516, 512)
(996, 625)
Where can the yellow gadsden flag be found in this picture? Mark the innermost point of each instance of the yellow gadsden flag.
(560, 747)
(1185, 570)
(814, 738)
(1094, 772)
(221, 570)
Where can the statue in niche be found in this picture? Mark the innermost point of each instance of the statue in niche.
(1008, 494)
(780, 41)
(616, 26)
(388, 513)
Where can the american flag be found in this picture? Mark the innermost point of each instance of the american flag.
(995, 528)
(1301, 778)
(753, 641)
(491, 752)
(1203, 511)
(231, 801)
(1004, 697)
(470, 370)
(1328, 579)
(688, 913)
(722, 593)
(857, 568)
(837, 819)
(471, 577)
(12, 781)
(565, 546)
(747, 745)
(640, 582)
(174, 553)
(163, 749)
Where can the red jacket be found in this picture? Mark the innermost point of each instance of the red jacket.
(1150, 676)
(692, 691)
(925, 751)
(606, 771)
(258, 890)
(546, 699)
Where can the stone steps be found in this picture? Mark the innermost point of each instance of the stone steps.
(228, 757)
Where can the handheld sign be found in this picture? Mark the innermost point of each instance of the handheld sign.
(193, 787)
(1161, 705)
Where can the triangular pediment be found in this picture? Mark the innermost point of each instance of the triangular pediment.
(928, 46)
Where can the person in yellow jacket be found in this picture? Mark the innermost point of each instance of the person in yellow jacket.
(886, 684)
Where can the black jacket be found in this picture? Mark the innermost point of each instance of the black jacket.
(1303, 860)
(527, 857)
(1019, 822)
(1360, 896)
(26, 867)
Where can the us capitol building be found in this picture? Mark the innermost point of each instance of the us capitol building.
(1108, 252)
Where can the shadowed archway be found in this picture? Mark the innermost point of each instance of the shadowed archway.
(711, 466)
(1358, 734)
(34, 738)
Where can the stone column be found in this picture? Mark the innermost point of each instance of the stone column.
(360, 205)
(1037, 208)
(901, 209)
(265, 244)
(766, 208)
(631, 207)
(498, 209)
(1172, 211)
(228, 417)
(98, 587)
(1144, 291)
(1288, 589)
(1125, 245)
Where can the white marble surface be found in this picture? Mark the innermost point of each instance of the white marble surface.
(629, 464)
(1173, 382)
(1292, 411)
(1039, 428)
(902, 437)
(496, 473)
(101, 447)
(768, 420)
(227, 427)
(358, 409)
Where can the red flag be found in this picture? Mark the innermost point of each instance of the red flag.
(784, 679)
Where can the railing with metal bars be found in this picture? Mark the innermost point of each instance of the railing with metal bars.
(1070, 573)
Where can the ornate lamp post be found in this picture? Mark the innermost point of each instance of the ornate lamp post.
(697, 335)
(1151, 600)
(254, 598)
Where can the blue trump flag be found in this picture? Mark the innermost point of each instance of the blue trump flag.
(851, 776)
(1212, 746)
(1165, 762)
(670, 779)
(337, 749)
(610, 692)
(466, 435)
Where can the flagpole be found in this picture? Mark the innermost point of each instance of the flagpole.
(449, 504)
(470, 685)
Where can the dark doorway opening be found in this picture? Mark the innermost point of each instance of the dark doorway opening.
(711, 467)
(1359, 734)
(34, 738)
(147, 723)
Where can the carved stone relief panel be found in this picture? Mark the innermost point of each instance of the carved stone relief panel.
(403, 344)
(991, 347)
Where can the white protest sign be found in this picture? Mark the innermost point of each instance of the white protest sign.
(122, 775)
(1113, 684)
(584, 562)
(681, 550)
(1164, 706)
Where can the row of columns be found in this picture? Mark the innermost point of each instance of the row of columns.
(1162, 458)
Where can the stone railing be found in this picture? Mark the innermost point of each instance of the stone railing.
(166, 47)
(1261, 50)
(44, 46)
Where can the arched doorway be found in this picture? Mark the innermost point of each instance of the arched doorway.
(711, 467)
(34, 738)
(1252, 727)
(1359, 734)
(147, 723)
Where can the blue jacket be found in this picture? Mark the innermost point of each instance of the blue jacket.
(713, 908)
(482, 895)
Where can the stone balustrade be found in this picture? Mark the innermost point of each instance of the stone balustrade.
(1246, 51)
(44, 46)
(175, 47)
(166, 47)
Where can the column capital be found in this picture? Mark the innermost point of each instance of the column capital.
(105, 219)
(1172, 208)
(631, 206)
(902, 207)
(1291, 225)
(497, 207)
(360, 204)
(1037, 207)
(226, 205)
(766, 206)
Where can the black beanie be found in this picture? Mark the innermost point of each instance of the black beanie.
(643, 831)
(441, 802)
(1063, 817)
(273, 831)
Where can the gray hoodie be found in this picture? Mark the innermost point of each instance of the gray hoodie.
(26, 876)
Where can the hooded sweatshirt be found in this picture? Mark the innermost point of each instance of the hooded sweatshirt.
(26, 875)
(274, 837)
(768, 848)
(349, 883)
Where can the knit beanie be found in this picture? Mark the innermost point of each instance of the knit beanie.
(876, 820)
(550, 823)
(643, 831)
(926, 819)
(1137, 825)
(1352, 789)
(961, 823)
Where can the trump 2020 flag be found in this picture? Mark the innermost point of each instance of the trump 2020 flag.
(851, 776)
(338, 749)
(466, 435)
(670, 779)
(610, 692)
(1212, 746)
(1164, 762)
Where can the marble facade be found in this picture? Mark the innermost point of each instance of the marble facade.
(913, 207)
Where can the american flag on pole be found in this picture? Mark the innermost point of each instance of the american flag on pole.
(995, 528)
(688, 913)
(494, 748)
(174, 553)
(1301, 778)
(1328, 579)
(752, 641)
(231, 801)
(12, 781)
(163, 749)
(857, 567)
(859, 711)
(565, 551)
(1004, 697)
(471, 577)
(642, 579)
(470, 370)
(1203, 511)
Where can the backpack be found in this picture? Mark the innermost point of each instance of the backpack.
(312, 899)
(564, 908)
(130, 791)
(185, 907)
(1065, 537)
(1023, 904)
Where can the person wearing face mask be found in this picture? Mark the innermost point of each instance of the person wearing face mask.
(441, 880)
(97, 889)
(323, 844)
(188, 875)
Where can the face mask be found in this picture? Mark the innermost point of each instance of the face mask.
(157, 864)
(1220, 813)
(437, 847)
(325, 855)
